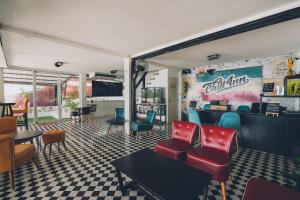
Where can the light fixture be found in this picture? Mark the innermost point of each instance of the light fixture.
(213, 56)
(58, 64)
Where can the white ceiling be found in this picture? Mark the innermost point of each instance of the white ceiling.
(273, 40)
(121, 28)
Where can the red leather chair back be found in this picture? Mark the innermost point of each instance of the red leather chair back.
(218, 138)
(184, 131)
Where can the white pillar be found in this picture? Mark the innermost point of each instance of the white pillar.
(179, 74)
(82, 89)
(59, 97)
(35, 114)
(1, 85)
(127, 93)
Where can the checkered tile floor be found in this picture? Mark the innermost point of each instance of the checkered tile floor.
(84, 172)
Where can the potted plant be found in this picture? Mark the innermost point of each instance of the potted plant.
(295, 174)
(72, 105)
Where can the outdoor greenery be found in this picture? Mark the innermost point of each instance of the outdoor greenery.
(47, 119)
(70, 101)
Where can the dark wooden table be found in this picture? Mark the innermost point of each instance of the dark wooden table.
(6, 109)
(25, 136)
(161, 177)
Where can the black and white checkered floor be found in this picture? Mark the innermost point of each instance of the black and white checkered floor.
(84, 172)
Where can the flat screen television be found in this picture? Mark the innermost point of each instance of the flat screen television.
(106, 89)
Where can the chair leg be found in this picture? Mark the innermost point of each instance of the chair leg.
(58, 145)
(50, 149)
(64, 144)
(45, 145)
(35, 163)
(12, 179)
(26, 120)
(230, 178)
(237, 143)
(223, 187)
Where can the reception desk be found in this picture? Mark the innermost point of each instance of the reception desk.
(280, 135)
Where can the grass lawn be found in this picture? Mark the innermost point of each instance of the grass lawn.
(46, 119)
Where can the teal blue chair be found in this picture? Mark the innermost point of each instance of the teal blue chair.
(206, 107)
(119, 113)
(145, 125)
(194, 116)
(244, 108)
(231, 120)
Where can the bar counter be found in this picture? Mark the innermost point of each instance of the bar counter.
(280, 135)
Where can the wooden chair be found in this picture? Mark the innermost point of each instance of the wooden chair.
(13, 156)
(22, 112)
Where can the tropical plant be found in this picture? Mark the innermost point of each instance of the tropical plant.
(71, 103)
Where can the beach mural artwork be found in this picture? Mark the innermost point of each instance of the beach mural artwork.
(236, 85)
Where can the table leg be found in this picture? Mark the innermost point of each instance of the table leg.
(205, 193)
(10, 111)
(3, 108)
(120, 180)
(109, 129)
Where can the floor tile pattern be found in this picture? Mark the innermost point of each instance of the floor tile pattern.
(84, 172)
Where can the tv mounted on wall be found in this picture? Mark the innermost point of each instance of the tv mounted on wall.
(106, 89)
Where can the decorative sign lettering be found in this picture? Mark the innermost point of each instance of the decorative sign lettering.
(220, 84)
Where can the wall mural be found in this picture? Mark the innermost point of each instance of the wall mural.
(236, 85)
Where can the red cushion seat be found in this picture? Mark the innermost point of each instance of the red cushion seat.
(212, 161)
(183, 139)
(173, 148)
(260, 189)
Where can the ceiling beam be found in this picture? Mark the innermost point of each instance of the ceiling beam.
(265, 21)
(58, 40)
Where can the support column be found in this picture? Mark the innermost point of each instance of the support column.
(179, 74)
(34, 102)
(1, 85)
(127, 94)
(82, 89)
(59, 97)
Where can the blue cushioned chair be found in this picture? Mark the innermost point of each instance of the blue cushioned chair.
(194, 116)
(244, 108)
(145, 125)
(119, 113)
(231, 120)
(206, 107)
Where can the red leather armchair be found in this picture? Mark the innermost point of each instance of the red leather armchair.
(214, 156)
(260, 189)
(183, 139)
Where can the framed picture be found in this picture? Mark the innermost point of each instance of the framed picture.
(292, 86)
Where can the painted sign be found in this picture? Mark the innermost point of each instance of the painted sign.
(235, 85)
(220, 84)
(242, 84)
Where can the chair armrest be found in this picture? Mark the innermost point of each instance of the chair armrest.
(7, 144)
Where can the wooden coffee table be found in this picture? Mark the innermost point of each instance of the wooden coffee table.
(161, 177)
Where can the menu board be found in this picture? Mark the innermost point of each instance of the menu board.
(273, 108)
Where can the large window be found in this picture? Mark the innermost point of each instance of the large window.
(19, 84)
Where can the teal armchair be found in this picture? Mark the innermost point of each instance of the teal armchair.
(145, 125)
(244, 108)
(206, 107)
(231, 120)
(119, 113)
(194, 116)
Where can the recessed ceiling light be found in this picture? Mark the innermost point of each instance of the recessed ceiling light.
(58, 64)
